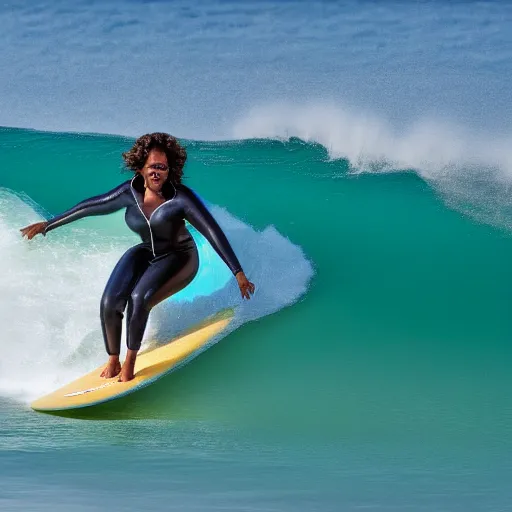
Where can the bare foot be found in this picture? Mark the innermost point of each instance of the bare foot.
(127, 371)
(112, 369)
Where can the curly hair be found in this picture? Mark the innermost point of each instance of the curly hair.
(176, 154)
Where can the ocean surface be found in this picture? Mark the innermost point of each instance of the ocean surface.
(359, 157)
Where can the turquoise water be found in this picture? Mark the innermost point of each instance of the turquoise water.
(357, 156)
(388, 331)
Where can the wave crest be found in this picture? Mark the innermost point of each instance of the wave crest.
(472, 171)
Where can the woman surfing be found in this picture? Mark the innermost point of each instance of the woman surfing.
(157, 205)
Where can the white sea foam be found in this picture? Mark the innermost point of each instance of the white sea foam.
(473, 171)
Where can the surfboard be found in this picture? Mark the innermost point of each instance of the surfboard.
(151, 365)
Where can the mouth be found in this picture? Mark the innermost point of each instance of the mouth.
(156, 180)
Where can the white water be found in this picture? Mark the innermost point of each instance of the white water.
(429, 145)
(473, 171)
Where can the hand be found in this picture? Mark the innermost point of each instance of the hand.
(245, 285)
(34, 229)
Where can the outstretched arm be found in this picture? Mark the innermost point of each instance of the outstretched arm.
(199, 216)
(103, 204)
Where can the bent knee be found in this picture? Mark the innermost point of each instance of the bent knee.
(111, 304)
(141, 301)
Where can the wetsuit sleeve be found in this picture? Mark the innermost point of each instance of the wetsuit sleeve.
(198, 215)
(103, 204)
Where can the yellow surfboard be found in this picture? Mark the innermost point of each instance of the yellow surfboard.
(91, 389)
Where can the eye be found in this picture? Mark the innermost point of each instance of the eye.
(159, 167)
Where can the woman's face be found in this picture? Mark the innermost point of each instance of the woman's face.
(155, 171)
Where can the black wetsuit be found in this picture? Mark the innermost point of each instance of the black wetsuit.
(165, 262)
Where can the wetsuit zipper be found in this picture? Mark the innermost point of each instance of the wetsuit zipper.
(148, 221)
